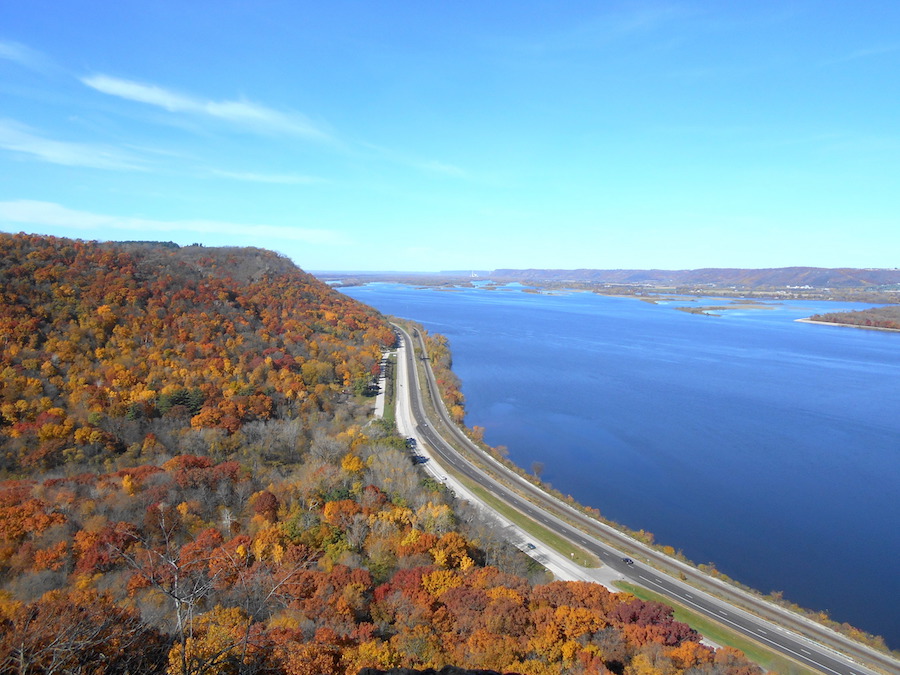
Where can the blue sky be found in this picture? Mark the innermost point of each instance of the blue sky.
(463, 135)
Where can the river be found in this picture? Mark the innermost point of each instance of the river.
(767, 446)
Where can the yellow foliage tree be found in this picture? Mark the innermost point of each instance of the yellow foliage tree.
(450, 551)
(352, 464)
(269, 544)
(371, 654)
(440, 581)
(216, 646)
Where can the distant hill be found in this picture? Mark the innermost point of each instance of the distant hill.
(780, 277)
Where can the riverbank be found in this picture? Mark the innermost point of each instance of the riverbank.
(848, 325)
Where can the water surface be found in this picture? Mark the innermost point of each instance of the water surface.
(767, 446)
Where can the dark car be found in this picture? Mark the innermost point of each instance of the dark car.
(628, 561)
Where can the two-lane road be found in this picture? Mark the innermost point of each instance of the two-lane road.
(543, 508)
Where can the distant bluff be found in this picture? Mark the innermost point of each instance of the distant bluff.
(780, 277)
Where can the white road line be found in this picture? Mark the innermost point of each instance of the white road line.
(766, 639)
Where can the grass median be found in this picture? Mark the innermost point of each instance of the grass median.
(537, 531)
(390, 402)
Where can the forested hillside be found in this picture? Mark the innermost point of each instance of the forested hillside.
(113, 354)
(193, 485)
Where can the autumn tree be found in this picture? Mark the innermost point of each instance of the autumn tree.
(76, 632)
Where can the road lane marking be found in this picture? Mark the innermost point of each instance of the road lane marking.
(780, 647)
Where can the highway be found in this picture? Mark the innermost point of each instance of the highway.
(782, 631)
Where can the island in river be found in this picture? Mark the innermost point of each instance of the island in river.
(876, 286)
(744, 287)
(878, 318)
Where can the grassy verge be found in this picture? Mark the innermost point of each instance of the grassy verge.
(390, 399)
(722, 635)
(537, 531)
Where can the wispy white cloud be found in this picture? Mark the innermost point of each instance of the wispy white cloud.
(442, 167)
(723, 71)
(49, 214)
(869, 52)
(24, 56)
(20, 138)
(641, 19)
(606, 27)
(868, 144)
(276, 178)
(243, 114)
(429, 165)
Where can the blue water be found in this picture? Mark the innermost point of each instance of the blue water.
(767, 446)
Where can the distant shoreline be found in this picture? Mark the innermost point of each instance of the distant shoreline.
(848, 325)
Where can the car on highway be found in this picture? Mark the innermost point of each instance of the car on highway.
(628, 561)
